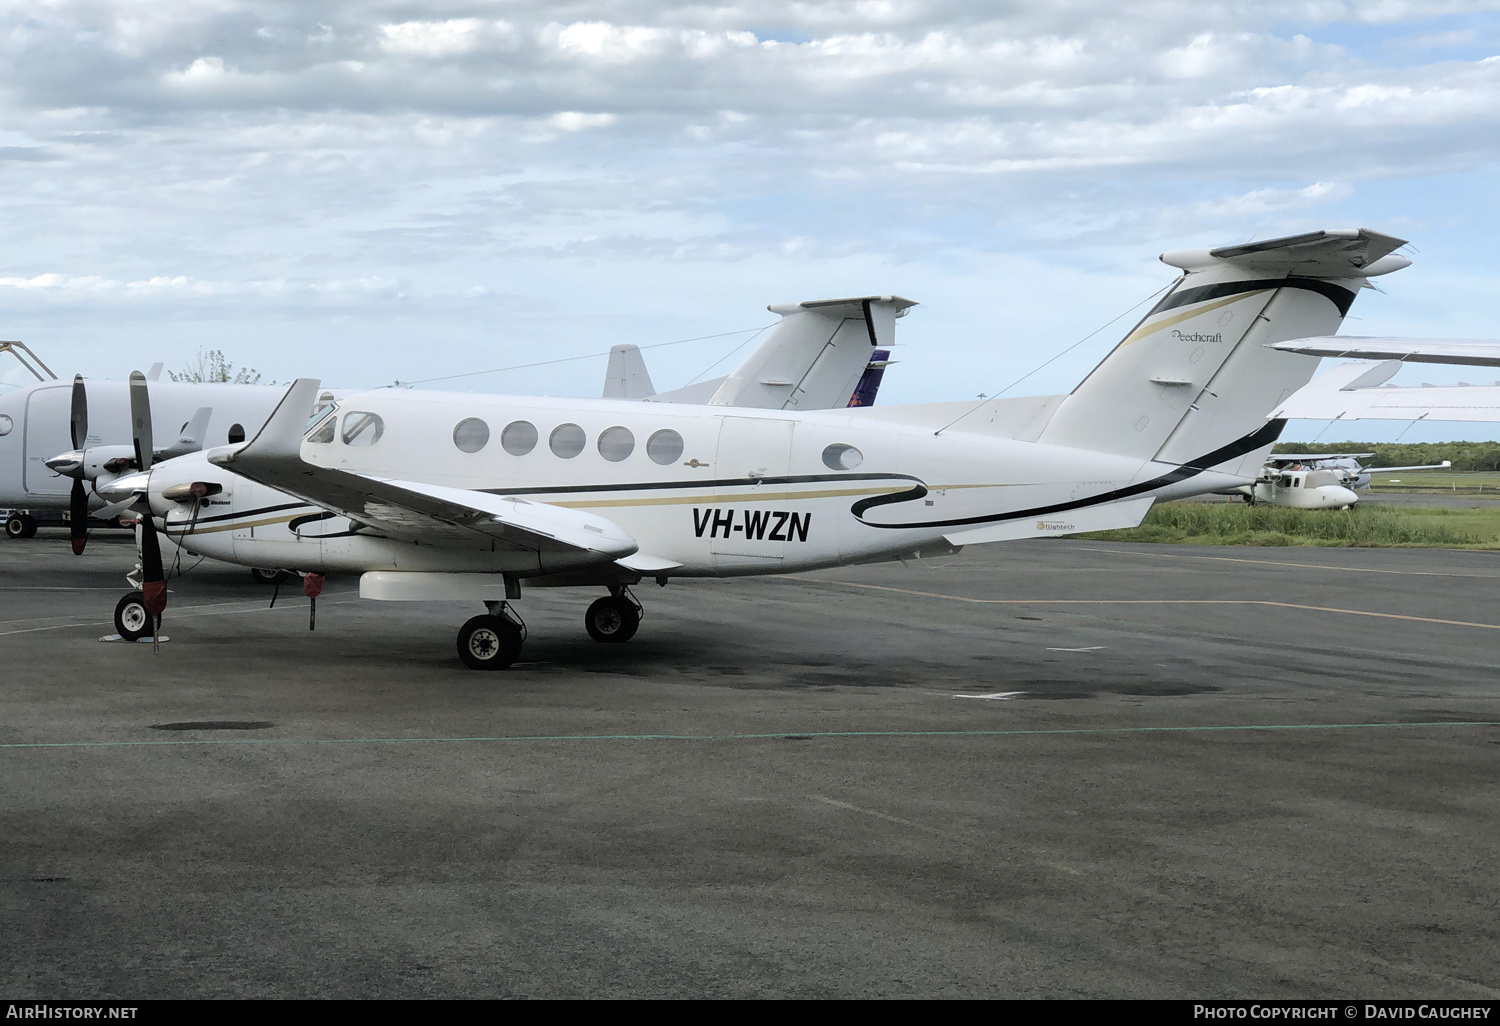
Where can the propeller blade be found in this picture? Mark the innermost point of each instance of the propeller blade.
(140, 419)
(153, 580)
(80, 421)
(78, 517)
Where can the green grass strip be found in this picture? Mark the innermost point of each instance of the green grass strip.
(740, 737)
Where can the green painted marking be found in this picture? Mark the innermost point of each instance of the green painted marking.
(740, 737)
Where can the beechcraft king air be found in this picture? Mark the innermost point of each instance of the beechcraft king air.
(442, 496)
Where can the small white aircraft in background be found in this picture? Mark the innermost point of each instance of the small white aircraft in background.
(1318, 480)
(53, 453)
(442, 496)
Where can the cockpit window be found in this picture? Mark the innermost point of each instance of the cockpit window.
(362, 428)
(324, 433)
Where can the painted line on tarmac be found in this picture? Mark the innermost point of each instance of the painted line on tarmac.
(1162, 602)
(775, 736)
(1307, 566)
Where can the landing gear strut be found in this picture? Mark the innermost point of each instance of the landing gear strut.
(492, 641)
(615, 618)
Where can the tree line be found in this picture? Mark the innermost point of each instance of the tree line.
(1464, 455)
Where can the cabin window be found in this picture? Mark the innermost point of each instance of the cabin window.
(567, 441)
(236, 432)
(519, 437)
(6, 424)
(616, 443)
(362, 428)
(472, 434)
(664, 447)
(842, 457)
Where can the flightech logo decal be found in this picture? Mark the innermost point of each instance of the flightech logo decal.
(1053, 525)
(754, 524)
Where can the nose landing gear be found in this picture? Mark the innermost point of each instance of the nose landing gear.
(615, 618)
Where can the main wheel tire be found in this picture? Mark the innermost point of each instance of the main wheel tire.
(20, 525)
(267, 576)
(488, 643)
(132, 620)
(612, 620)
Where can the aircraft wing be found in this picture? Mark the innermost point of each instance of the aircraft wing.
(1347, 393)
(1476, 352)
(1396, 470)
(408, 509)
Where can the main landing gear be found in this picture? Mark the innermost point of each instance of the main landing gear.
(615, 618)
(493, 641)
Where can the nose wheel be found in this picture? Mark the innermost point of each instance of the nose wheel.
(613, 619)
(132, 620)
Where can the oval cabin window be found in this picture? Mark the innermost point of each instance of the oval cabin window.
(471, 434)
(519, 437)
(664, 447)
(567, 441)
(616, 443)
(362, 428)
(236, 432)
(842, 457)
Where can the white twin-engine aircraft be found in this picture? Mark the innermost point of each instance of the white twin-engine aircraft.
(442, 496)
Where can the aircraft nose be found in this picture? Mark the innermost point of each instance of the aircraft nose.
(124, 487)
(1340, 496)
(68, 464)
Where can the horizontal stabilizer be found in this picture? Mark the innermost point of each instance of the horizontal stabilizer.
(697, 394)
(1337, 253)
(1475, 352)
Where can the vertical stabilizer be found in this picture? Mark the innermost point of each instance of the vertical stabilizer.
(869, 381)
(626, 376)
(1194, 376)
(814, 357)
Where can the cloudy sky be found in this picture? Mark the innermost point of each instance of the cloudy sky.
(367, 192)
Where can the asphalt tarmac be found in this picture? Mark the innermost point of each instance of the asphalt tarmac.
(1043, 769)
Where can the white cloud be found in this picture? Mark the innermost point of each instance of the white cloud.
(369, 155)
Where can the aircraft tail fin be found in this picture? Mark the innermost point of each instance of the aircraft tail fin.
(869, 381)
(1194, 379)
(192, 435)
(816, 354)
(627, 377)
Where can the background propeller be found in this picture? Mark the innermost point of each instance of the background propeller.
(140, 420)
(78, 498)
